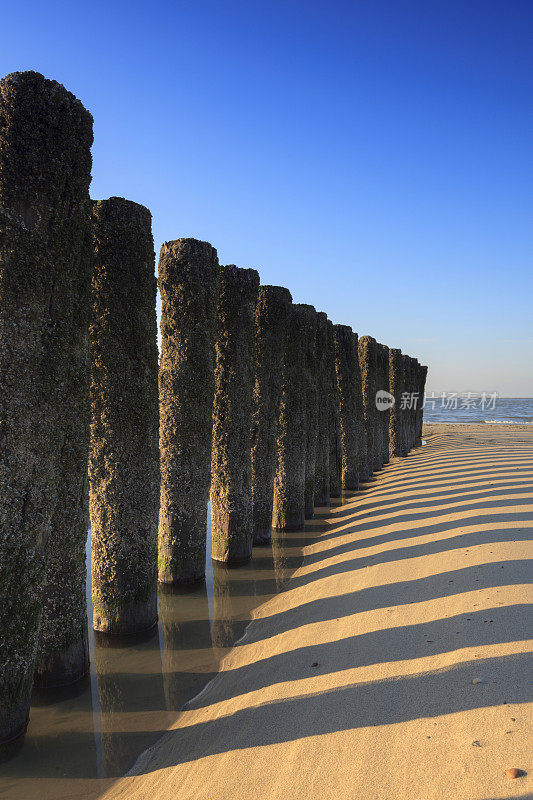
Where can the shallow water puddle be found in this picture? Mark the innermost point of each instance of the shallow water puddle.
(81, 739)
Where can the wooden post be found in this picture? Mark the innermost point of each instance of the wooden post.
(124, 453)
(289, 484)
(322, 447)
(45, 261)
(334, 424)
(231, 465)
(188, 279)
(310, 391)
(345, 357)
(362, 455)
(271, 325)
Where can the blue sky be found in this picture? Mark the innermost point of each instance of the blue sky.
(374, 157)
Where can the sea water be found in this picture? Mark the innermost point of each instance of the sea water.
(489, 410)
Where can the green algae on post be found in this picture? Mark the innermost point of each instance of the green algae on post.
(45, 261)
(271, 324)
(188, 284)
(289, 484)
(322, 445)
(231, 461)
(124, 454)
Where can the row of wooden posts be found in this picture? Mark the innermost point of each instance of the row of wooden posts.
(259, 403)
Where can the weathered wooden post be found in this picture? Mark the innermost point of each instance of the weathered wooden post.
(334, 424)
(423, 371)
(412, 410)
(383, 412)
(271, 325)
(231, 464)
(396, 389)
(345, 357)
(289, 484)
(362, 455)
(409, 391)
(322, 446)
(124, 453)
(45, 259)
(311, 411)
(188, 283)
(416, 402)
(368, 365)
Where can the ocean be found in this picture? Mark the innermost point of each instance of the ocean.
(478, 408)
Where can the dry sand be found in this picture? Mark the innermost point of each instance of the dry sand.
(395, 665)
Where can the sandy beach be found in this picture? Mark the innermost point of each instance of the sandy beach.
(395, 663)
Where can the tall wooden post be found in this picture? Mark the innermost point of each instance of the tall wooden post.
(231, 464)
(396, 389)
(311, 410)
(289, 484)
(334, 424)
(360, 430)
(368, 365)
(271, 325)
(345, 357)
(124, 453)
(45, 261)
(188, 279)
(322, 447)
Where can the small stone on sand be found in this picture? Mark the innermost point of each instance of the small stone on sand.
(514, 773)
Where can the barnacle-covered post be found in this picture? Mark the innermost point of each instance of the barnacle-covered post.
(360, 430)
(289, 484)
(396, 388)
(322, 445)
(45, 268)
(311, 410)
(188, 279)
(368, 365)
(271, 325)
(334, 423)
(346, 381)
(231, 463)
(124, 453)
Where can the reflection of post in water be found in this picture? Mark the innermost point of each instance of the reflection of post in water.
(132, 698)
(284, 563)
(234, 595)
(238, 591)
(189, 660)
(224, 624)
(60, 746)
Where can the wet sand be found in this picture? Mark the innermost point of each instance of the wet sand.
(81, 740)
(395, 664)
